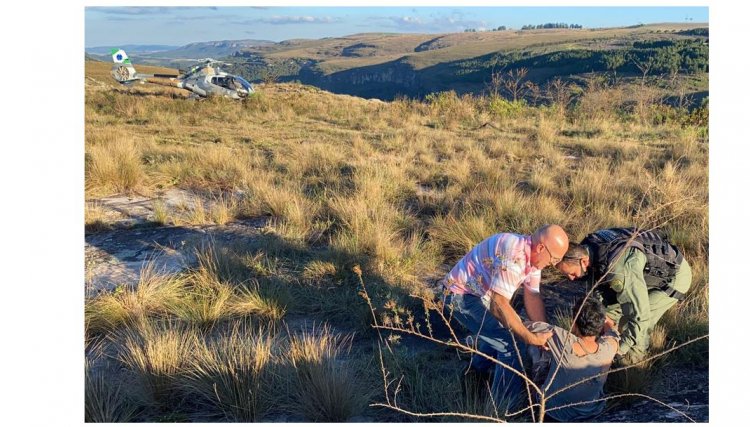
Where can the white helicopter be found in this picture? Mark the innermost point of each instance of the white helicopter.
(203, 80)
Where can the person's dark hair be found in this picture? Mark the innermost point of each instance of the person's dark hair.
(591, 319)
(575, 252)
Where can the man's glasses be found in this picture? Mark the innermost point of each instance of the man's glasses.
(552, 260)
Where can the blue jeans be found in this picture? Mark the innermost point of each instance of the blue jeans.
(494, 340)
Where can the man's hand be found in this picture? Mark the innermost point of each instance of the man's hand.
(500, 308)
(540, 339)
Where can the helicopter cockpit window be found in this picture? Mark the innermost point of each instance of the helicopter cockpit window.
(225, 82)
(232, 83)
(242, 83)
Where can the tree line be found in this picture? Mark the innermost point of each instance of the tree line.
(551, 25)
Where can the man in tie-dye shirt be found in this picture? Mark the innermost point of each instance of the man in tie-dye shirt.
(480, 288)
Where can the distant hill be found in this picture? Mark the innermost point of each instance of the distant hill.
(212, 49)
(388, 65)
(131, 48)
(88, 57)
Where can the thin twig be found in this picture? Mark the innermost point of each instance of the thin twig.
(463, 347)
(624, 395)
(439, 414)
(383, 371)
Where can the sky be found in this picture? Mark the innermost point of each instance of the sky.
(109, 26)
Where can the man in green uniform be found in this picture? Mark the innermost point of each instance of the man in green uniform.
(639, 275)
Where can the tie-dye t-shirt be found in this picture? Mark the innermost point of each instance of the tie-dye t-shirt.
(500, 263)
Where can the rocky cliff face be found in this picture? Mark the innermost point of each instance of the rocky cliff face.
(383, 81)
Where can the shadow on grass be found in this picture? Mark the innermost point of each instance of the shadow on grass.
(245, 252)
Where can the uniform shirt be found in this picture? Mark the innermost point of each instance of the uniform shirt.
(573, 369)
(626, 279)
(500, 263)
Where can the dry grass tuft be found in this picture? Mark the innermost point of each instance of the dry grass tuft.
(219, 264)
(563, 317)
(214, 168)
(115, 167)
(317, 271)
(219, 288)
(458, 235)
(106, 401)
(205, 304)
(96, 218)
(327, 388)
(155, 294)
(543, 134)
(293, 213)
(251, 301)
(635, 380)
(161, 215)
(234, 372)
(223, 210)
(157, 353)
(658, 339)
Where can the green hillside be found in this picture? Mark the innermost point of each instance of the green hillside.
(386, 66)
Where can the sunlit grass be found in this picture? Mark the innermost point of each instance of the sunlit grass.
(155, 294)
(326, 387)
(234, 372)
(404, 189)
(114, 167)
(156, 353)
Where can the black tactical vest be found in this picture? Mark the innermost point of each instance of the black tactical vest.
(662, 258)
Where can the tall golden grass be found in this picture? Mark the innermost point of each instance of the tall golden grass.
(234, 372)
(403, 188)
(157, 352)
(114, 167)
(326, 386)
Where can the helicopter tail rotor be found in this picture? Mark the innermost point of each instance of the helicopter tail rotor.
(123, 70)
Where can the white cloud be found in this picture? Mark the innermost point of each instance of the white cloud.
(285, 20)
(437, 23)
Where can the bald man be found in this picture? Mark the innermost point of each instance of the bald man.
(478, 293)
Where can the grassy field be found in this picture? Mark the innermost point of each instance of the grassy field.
(402, 190)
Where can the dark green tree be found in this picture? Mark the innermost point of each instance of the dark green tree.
(667, 61)
(613, 61)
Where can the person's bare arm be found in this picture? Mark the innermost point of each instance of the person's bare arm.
(500, 308)
(610, 333)
(534, 306)
(615, 343)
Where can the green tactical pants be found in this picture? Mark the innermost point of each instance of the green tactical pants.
(659, 303)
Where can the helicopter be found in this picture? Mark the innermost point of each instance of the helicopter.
(202, 80)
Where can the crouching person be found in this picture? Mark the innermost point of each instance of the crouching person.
(479, 289)
(586, 353)
(640, 275)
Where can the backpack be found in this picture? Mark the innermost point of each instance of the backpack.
(662, 258)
